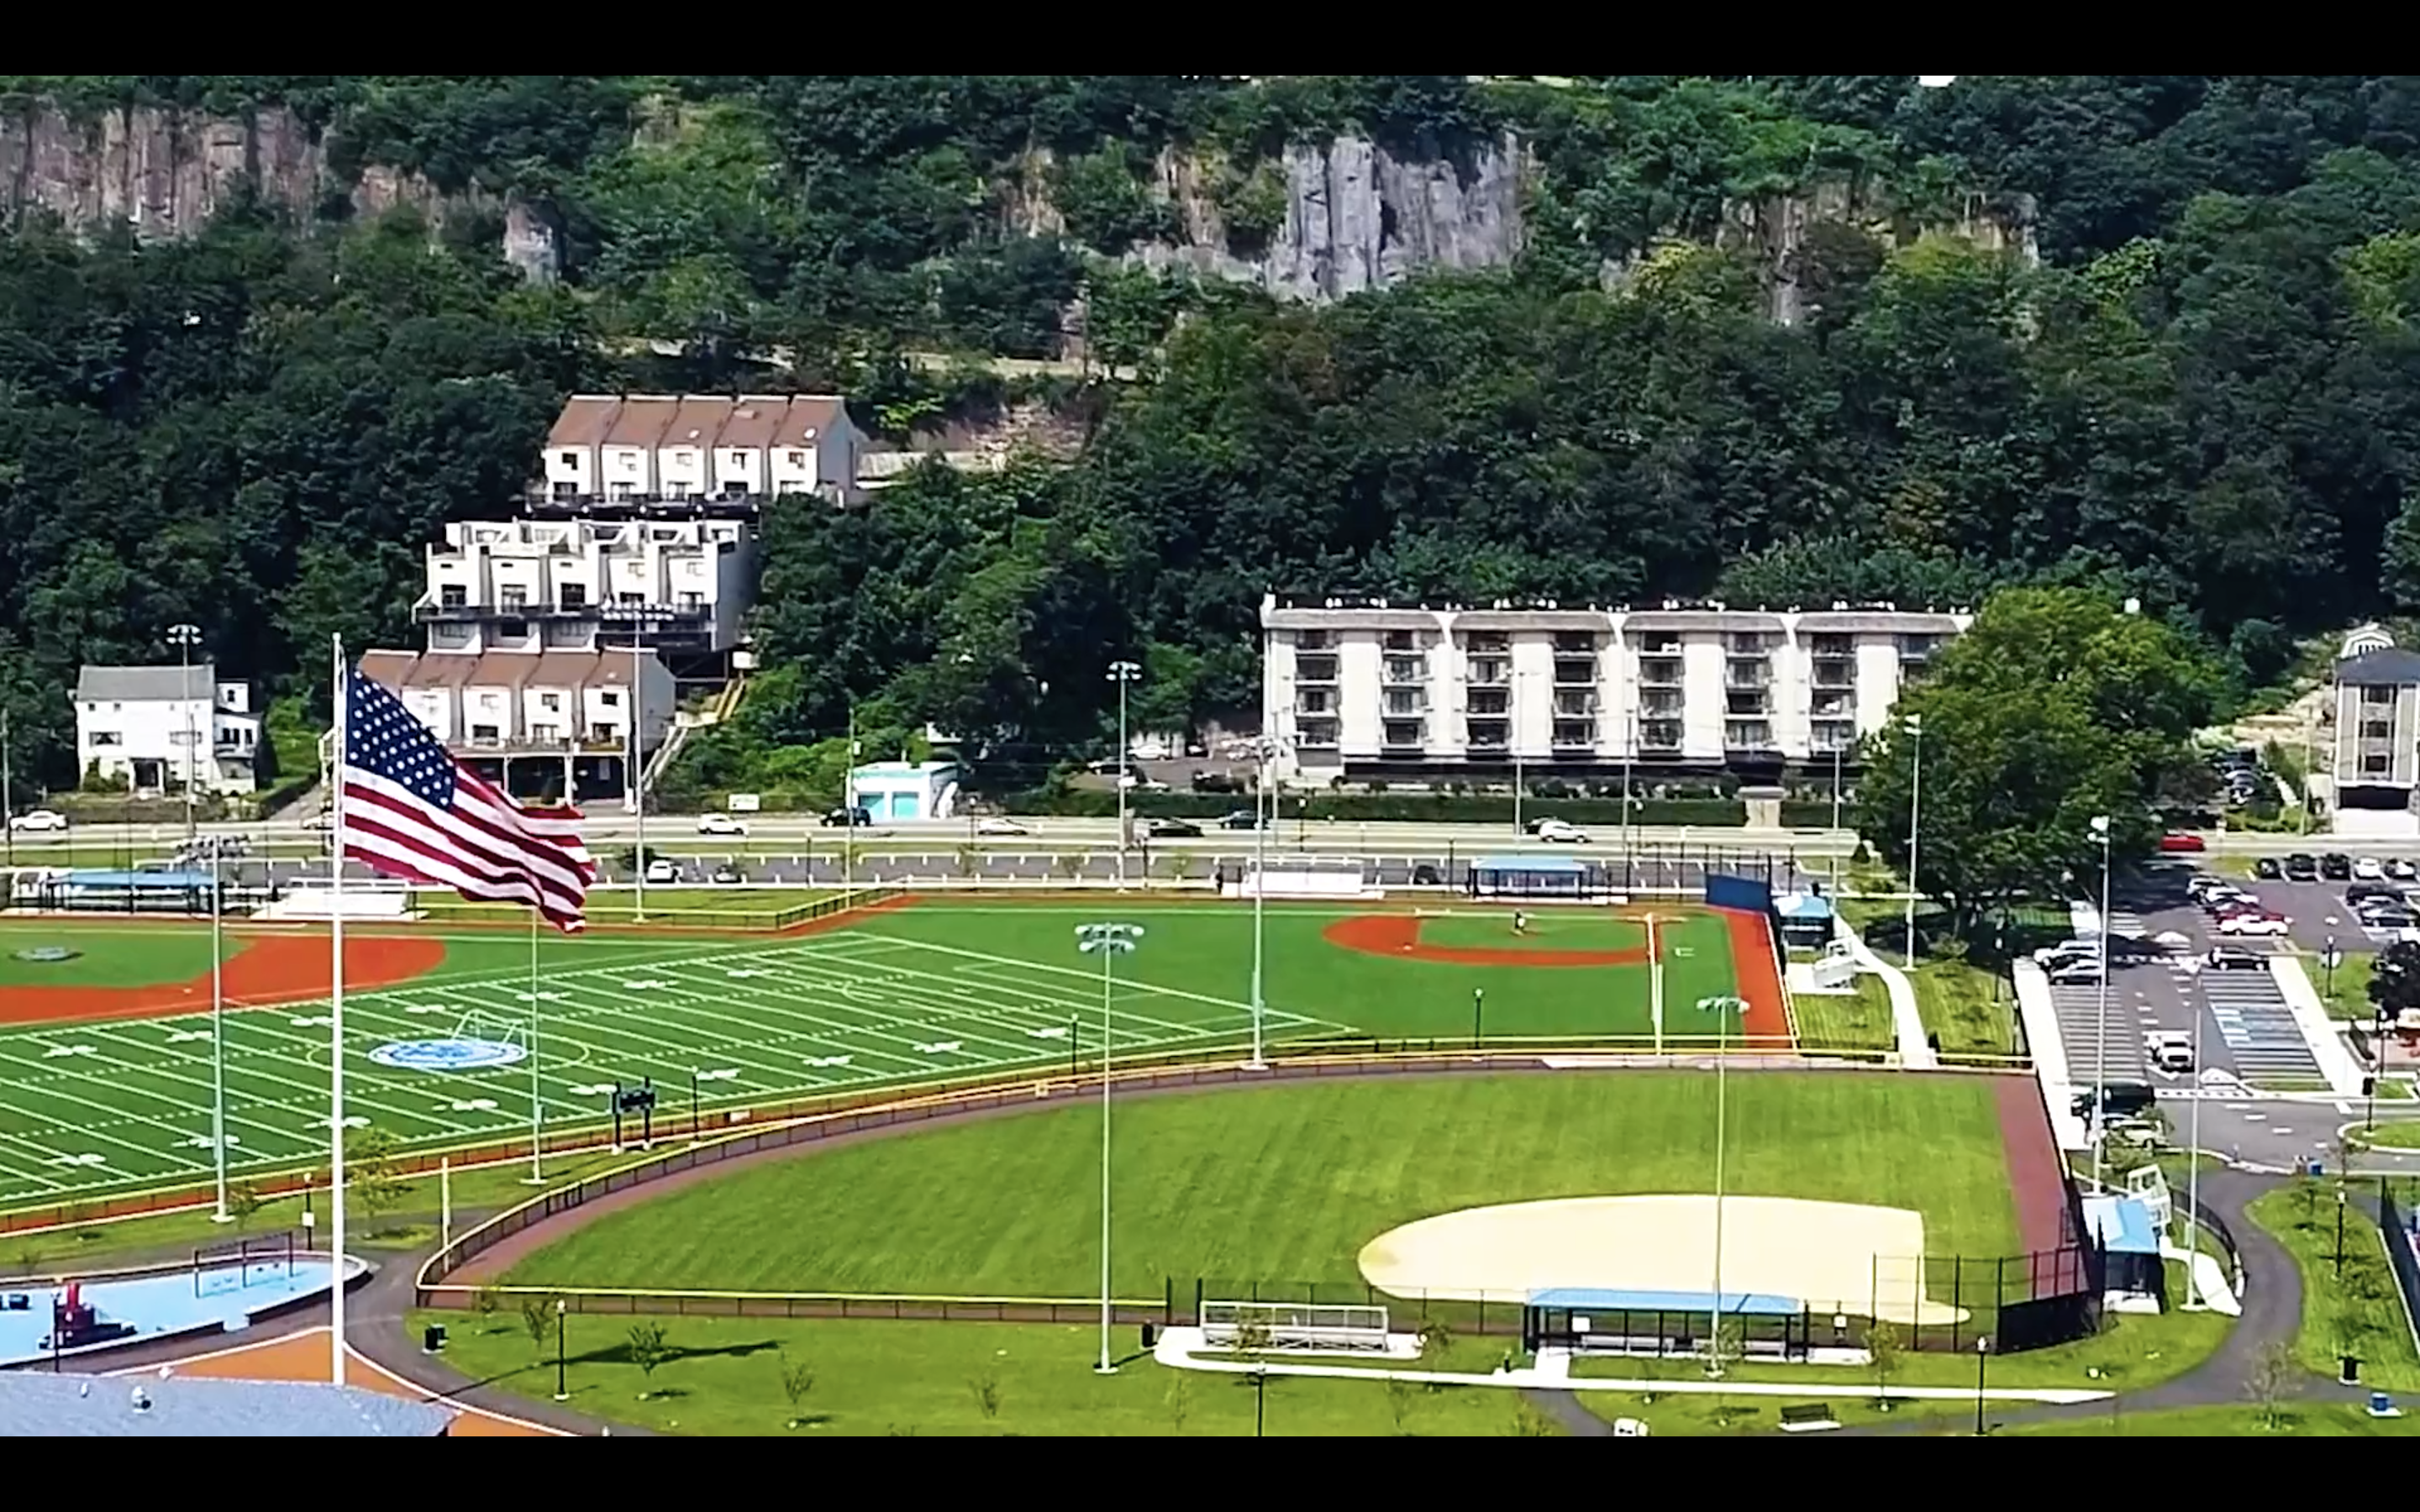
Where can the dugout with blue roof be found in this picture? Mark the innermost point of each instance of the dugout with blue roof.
(1663, 1322)
(2124, 1228)
(1546, 878)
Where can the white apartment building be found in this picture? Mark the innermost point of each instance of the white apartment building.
(153, 725)
(1364, 689)
(574, 584)
(539, 724)
(641, 448)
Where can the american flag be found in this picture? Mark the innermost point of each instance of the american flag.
(412, 811)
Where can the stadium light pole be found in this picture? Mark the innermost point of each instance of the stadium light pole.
(218, 1039)
(1109, 942)
(1265, 749)
(185, 638)
(2100, 1028)
(2193, 1178)
(1722, 1007)
(1121, 674)
(638, 782)
(1914, 726)
(7, 809)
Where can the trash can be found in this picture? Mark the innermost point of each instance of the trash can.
(1149, 1336)
(2349, 1371)
(432, 1338)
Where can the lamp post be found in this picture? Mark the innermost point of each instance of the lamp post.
(1263, 749)
(695, 1124)
(2100, 1029)
(1478, 1009)
(1914, 726)
(2193, 1176)
(1982, 1353)
(2340, 1208)
(1109, 942)
(185, 638)
(2329, 959)
(1121, 674)
(562, 1313)
(7, 809)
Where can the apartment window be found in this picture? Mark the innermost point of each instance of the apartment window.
(1489, 671)
(448, 636)
(1317, 734)
(512, 596)
(692, 600)
(1314, 669)
(514, 630)
(1405, 701)
(482, 733)
(1490, 701)
(1747, 734)
(1662, 643)
(1666, 704)
(630, 600)
(1500, 641)
(1316, 700)
(1830, 645)
(1580, 641)
(1660, 670)
(1743, 704)
(1313, 640)
(572, 596)
(2373, 766)
(1404, 732)
(1574, 670)
(571, 459)
(184, 737)
(108, 737)
(2378, 729)
(490, 700)
(798, 459)
(1407, 668)
(2378, 695)
(452, 595)
(1484, 732)
(550, 701)
(609, 701)
(545, 732)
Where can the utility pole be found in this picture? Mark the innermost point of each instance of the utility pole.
(8, 810)
(1123, 674)
(1915, 824)
(2100, 1031)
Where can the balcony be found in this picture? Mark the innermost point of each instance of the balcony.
(1577, 706)
(1486, 735)
(1575, 671)
(1755, 674)
(1575, 734)
(1487, 644)
(540, 501)
(1747, 705)
(1661, 707)
(1748, 736)
(1490, 703)
(1917, 648)
(1749, 644)
(526, 746)
(1829, 735)
(1314, 734)
(1402, 735)
(1841, 676)
(1490, 671)
(1580, 641)
(1831, 647)
(1402, 640)
(1659, 672)
(1407, 670)
(1314, 669)
(1660, 738)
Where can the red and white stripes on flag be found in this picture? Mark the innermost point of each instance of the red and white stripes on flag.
(410, 810)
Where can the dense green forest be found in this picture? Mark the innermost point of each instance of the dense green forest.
(2203, 395)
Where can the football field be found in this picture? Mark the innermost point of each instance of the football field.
(90, 1108)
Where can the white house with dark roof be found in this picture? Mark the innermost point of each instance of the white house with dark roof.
(2375, 756)
(152, 726)
(542, 724)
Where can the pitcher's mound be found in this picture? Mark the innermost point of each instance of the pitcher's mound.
(1832, 1257)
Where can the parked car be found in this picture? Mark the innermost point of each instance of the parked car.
(859, 817)
(2083, 971)
(2170, 1050)
(2364, 893)
(1243, 819)
(2255, 923)
(2395, 917)
(721, 824)
(2118, 1100)
(1000, 826)
(2337, 867)
(2066, 950)
(36, 819)
(663, 868)
(1172, 829)
(2181, 843)
(2369, 868)
(2301, 867)
(2267, 870)
(2399, 869)
(726, 875)
(2235, 958)
(1556, 832)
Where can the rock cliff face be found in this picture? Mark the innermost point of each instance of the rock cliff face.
(165, 174)
(1356, 218)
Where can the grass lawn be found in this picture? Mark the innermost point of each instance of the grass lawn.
(1861, 1021)
(2401, 1134)
(107, 956)
(873, 1377)
(1968, 1007)
(2298, 1420)
(2347, 992)
(1209, 949)
(2360, 1313)
(1287, 1183)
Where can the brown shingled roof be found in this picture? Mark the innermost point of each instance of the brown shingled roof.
(819, 412)
(388, 668)
(756, 421)
(697, 421)
(585, 420)
(642, 420)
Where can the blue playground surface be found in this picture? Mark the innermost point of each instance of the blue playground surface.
(173, 1302)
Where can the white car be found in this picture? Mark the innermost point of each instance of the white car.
(663, 871)
(1556, 831)
(2170, 1050)
(2367, 868)
(1000, 826)
(39, 819)
(2270, 924)
(721, 824)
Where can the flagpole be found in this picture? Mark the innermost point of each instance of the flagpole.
(337, 1031)
(538, 1118)
(218, 1034)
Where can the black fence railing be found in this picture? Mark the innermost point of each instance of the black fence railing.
(1646, 867)
(2402, 1239)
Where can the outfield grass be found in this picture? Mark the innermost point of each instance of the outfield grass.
(2358, 1312)
(1286, 1184)
(1209, 949)
(872, 1377)
(108, 956)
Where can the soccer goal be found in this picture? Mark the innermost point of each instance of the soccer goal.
(1293, 1325)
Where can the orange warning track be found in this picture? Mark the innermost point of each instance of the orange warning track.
(268, 968)
(1765, 1020)
(1399, 936)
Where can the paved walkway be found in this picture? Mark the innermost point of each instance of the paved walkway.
(1907, 1019)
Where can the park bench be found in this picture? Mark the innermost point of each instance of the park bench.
(1808, 1417)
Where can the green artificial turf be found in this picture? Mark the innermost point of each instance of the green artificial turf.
(108, 955)
(1286, 1184)
(726, 1376)
(1208, 950)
